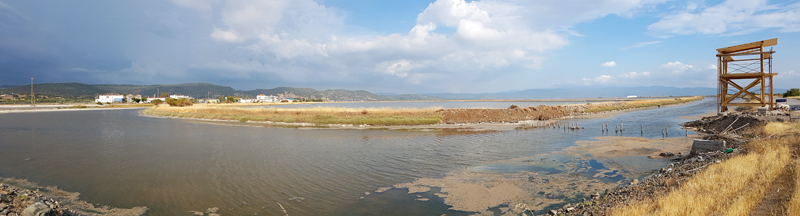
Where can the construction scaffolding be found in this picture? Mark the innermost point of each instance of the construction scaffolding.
(738, 63)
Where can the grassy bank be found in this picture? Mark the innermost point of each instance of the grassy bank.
(316, 115)
(395, 116)
(602, 107)
(748, 184)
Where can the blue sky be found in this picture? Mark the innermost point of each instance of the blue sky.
(390, 46)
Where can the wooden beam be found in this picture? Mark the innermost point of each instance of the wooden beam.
(740, 92)
(745, 104)
(747, 46)
(746, 75)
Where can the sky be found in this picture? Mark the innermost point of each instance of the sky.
(414, 46)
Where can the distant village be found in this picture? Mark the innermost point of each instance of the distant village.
(131, 98)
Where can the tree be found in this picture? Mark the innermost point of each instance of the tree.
(124, 98)
(221, 99)
(144, 98)
(157, 102)
(792, 92)
(231, 99)
(137, 100)
(164, 94)
(172, 101)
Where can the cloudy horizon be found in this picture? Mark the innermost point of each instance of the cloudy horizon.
(447, 46)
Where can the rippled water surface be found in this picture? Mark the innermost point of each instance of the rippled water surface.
(119, 158)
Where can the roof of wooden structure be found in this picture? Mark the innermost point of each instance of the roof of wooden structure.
(748, 46)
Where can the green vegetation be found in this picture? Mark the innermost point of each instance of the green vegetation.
(179, 102)
(792, 92)
(156, 102)
(602, 107)
(164, 94)
(99, 103)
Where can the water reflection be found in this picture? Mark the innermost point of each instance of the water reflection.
(119, 158)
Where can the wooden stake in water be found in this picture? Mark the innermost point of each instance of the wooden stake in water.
(621, 124)
(642, 129)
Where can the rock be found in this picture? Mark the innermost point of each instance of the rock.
(701, 146)
(595, 195)
(666, 154)
(3, 198)
(570, 209)
(213, 214)
(634, 181)
(38, 209)
(553, 212)
(196, 212)
(366, 193)
(212, 210)
(4, 212)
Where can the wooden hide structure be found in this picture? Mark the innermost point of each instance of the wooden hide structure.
(745, 62)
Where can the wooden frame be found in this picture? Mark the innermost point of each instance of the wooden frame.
(726, 76)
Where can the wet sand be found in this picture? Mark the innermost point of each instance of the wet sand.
(612, 147)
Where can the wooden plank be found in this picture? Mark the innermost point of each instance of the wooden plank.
(743, 91)
(747, 46)
(746, 75)
(745, 104)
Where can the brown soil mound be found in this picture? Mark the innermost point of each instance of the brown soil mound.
(459, 116)
(727, 124)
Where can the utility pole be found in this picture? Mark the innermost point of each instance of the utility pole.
(159, 92)
(33, 99)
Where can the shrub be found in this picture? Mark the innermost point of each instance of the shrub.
(184, 102)
(792, 92)
(156, 102)
(172, 101)
(513, 106)
(99, 103)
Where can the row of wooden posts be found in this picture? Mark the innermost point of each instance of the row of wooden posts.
(605, 128)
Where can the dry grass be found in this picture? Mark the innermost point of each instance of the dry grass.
(793, 206)
(601, 107)
(315, 115)
(736, 186)
(780, 128)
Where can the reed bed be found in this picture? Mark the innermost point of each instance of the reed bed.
(315, 115)
(612, 106)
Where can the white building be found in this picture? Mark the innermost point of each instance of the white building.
(177, 96)
(632, 96)
(265, 98)
(151, 99)
(109, 99)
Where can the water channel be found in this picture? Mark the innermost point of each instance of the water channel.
(172, 166)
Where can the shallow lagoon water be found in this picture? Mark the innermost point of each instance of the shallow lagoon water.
(119, 158)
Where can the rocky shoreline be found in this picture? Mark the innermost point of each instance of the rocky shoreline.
(684, 167)
(22, 198)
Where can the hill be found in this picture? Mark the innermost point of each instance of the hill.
(581, 92)
(202, 90)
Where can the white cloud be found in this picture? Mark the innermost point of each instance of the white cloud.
(221, 35)
(599, 79)
(203, 5)
(399, 68)
(712, 67)
(489, 38)
(640, 44)
(609, 64)
(676, 67)
(632, 74)
(731, 17)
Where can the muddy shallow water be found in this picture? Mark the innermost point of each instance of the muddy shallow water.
(119, 158)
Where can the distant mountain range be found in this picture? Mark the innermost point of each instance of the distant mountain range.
(581, 92)
(202, 90)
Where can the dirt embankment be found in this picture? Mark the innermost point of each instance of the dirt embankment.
(736, 129)
(514, 114)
